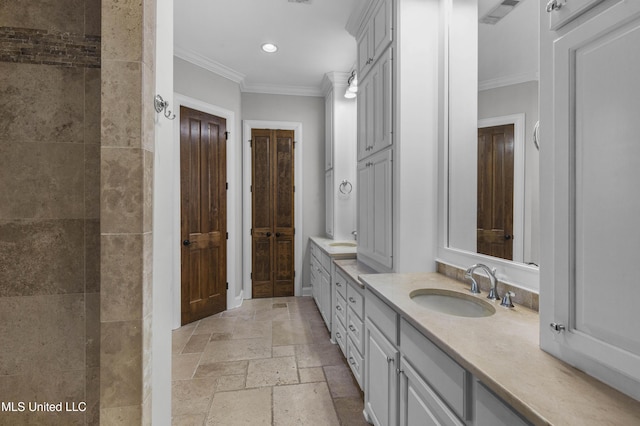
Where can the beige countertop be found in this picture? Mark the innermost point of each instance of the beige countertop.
(354, 269)
(542, 388)
(336, 251)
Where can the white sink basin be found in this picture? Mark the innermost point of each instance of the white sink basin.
(343, 244)
(452, 303)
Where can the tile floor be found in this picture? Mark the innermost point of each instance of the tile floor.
(269, 362)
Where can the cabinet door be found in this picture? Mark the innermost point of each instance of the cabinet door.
(382, 103)
(325, 297)
(365, 52)
(328, 144)
(381, 23)
(591, 79)
(365, 117)
(491, 410)
(381, 379)
(420, 405)
(328, 202)
(374, 208)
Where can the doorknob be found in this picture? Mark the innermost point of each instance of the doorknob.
(186, 243)
(268, 234)
(278, 234)
(507, 237)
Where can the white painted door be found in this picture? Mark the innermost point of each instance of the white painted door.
(593, 238)
(381, 380)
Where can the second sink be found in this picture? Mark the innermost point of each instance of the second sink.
(452, 303)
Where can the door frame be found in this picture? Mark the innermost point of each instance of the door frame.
(232, 213)
(247, 125)
(518, 175)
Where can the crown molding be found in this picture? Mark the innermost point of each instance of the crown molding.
(209, 64)
(508, 80)
(281, 90)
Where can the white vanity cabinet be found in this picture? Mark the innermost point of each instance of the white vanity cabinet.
(376, 36)
(329, 201)
(382, 358)
(590, 166)
(321, 281)
(375, 106)
(491, 410)
(374, 209)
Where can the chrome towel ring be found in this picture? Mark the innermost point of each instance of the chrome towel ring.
(345, 187)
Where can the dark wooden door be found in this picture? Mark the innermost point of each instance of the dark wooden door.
(203, 214)
(272, 186)
(495, 191)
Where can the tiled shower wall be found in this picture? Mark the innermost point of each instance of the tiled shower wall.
(50, 80)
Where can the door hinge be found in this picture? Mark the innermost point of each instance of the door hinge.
(226, 185)
(294, 231)
(226, 136)
(250, 188)
(250, 144)
(251, 275)
(294, 188)
(251, 231)
(227, 286)
(294, 274)
(227, 235)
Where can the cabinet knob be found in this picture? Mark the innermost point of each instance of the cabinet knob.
(390, 360)
(352, 300)
(352, 361)
(352, 328)
(553, 5)
(557, 327)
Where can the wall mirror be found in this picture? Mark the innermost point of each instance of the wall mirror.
(491, 157)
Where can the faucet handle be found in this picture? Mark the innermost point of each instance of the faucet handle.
(506, 300)
(474, 285)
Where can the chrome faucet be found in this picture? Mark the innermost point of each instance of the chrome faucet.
(493, 293)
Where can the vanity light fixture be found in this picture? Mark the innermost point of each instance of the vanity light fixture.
(353, 86)
(269, 48)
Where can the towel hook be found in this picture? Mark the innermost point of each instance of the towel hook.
(345, 187)
(161, 105)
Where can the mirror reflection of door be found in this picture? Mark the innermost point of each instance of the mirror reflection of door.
(495, 191)
(272, 229)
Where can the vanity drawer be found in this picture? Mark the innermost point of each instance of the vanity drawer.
(315, 250)
(355, 360)
(341, 337)
(435, 367)
(341, 284)
(384, 318)
(341, 309)
(355, 329)
(355, 300)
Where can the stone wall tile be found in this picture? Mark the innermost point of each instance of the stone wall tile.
(122, 30)
(121, 287)
(122, 190)
(121, 108)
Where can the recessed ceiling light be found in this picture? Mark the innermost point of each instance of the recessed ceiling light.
(269, 47)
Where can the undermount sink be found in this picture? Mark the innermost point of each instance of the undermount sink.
(452, 303)
(343, 244)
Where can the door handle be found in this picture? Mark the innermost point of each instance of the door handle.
(507, 237)
(186, 243)
(278, 234)
(268, 234)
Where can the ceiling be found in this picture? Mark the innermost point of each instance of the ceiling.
(225, 36)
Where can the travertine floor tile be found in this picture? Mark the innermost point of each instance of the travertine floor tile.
(192, 396)
(310, 375)
(318, 355)
(179, 339)
(245, 407)
(196, 343)
(219, 369)
(279, 351)
(235, 350)
(291, 333)
(215, 325)
(304, 404)
(183, 366)
(272, 372)
(251, 329)
(341, 383)
(231, 383)
(189, 420)
(350, 411)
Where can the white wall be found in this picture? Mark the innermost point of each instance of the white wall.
(162, 220)
(219, 93)
(310, 112)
